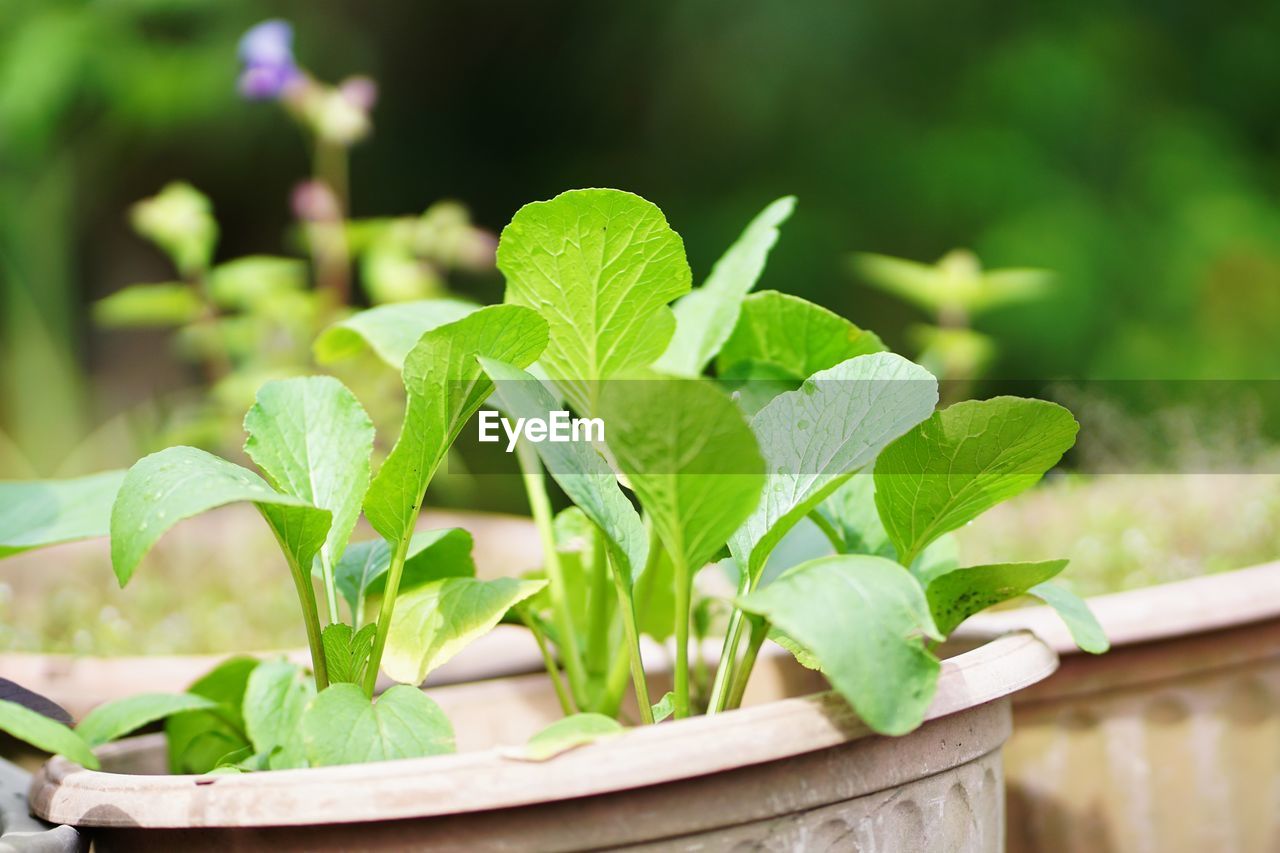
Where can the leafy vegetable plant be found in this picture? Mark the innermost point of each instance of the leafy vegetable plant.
(808, 426)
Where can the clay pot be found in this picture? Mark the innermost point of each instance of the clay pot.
(1171, 741)
(782, 773)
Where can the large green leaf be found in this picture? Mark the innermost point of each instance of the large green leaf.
(817, 436)
(275, 699)
(964, 460)
(446, 386)
(432, 555)
(313, 439)
(166, 487)
(706, 317)
(563, 735)
(690, 457)
(864, 619)
(956, 595)
(1083, 625)
(35, 513)
(601, 266)
(114, 719)
(434, 622)
(198, 740)
(342, 726)
(579, 469)
(44, 733)
(391, 331)
(786, 337)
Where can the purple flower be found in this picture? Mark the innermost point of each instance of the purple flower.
(267, 53)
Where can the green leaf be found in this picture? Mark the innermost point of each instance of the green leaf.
(956, 595)
(577, 467)
(964, 460)
(690, 457)
(706, 317)
(851, 509)
(166, 487)
(43, 733)
(342, 726)
(247, 282)
(36, 513)
(172, 303)
(313, 439)
(1083, 625)
(803, 656)
(664, 707)
(346, 652)
(864, 619)
(784, 336)
(432, 555)
(274, 702)
(563, 735)
(434, 622)
(114, 719)
(198, 740)
(391, 331)
(446, 386)
(816, 437)
(601, 265)
(178, 219)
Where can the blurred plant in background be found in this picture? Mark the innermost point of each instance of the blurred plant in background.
(953, 291)
(251, 319)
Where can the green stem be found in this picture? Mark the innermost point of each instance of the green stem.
(828, 530)
(388, 607)
(742, 675)
(626, 606)
(310, 613)
(597, 650)
(728, 654)
(566, 704)
(684, 589)
(540, 507)
(330, 590)
(616, 686)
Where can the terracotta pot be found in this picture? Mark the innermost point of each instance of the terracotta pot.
(19, 831)
(504, 545)
(1169, 742)
(791, 773)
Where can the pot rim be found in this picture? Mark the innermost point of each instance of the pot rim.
(1179, 608)
(66, 792)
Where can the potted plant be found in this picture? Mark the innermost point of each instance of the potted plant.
(821, 426)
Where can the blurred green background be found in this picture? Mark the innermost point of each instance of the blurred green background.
(1132, 149)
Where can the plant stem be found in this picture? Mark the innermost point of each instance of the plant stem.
(330, 590)
(684, 589)
(828, 530)
(597, 649)
(310, 615)
(566, 704)
(329, 239)
(742, 675)
(536, 489)
(728, 654)
(616, 686)
(390, 591)
(626, 606)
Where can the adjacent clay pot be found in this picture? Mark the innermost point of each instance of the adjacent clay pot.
(1171, 741)
(504, 545)
(781, 774)
(19, 831)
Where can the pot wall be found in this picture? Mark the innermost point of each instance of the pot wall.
(1168, 743)
(794, 773)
